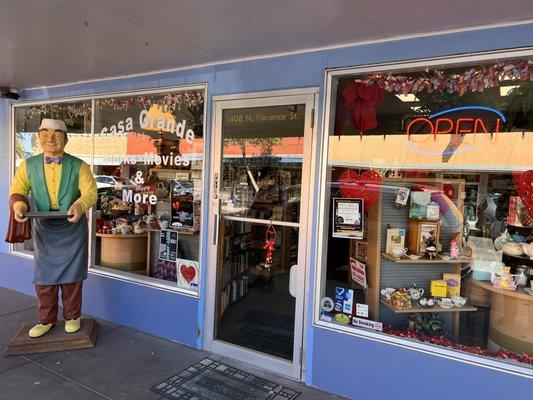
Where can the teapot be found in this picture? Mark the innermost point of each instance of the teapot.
(123, 228)
(415, 293)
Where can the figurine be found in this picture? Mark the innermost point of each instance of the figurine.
(431, 247)
(503, 280)
(454, 249)
(60, 243)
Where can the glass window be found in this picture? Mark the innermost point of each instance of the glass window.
(428, 206)
(77, 117)
(148, 160)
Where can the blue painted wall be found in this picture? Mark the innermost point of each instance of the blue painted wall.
(335, 362)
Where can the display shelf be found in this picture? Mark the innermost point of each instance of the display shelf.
(406, 260)
(434, 309)
(519, 293)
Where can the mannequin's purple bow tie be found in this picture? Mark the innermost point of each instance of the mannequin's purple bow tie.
(52, 160)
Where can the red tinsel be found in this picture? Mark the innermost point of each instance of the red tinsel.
(446, 342)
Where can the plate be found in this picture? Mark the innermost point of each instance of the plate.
(47, 214)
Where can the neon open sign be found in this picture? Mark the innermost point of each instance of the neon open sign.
(439, 123)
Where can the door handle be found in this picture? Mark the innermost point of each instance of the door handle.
(215, 232)
(293, 280)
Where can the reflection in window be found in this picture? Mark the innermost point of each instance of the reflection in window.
(148, 161)
(428, 208)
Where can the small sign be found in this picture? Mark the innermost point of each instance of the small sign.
(358, 272)
(361, 310)
(348, 218)
(168, 249)
(365, 323)
(402, 195)
(327, 304)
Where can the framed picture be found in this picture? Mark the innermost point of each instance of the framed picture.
(168, 247)
(187, 273)
(420, 230)
(348, 218)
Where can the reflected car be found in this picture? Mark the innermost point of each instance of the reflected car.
(107, 181)
(182, 187)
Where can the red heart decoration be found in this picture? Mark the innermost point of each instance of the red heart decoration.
(524, 184)
(188, 272)
(176, 205)
(366, 186)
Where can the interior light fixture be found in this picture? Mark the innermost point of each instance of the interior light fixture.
(407, 97)
(504, 90)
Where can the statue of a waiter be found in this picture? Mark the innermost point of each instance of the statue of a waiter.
(57, 182)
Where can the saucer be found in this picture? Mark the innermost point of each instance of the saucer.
(529, 291)
(413, 256)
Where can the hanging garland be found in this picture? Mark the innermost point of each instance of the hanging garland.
(69, 112)
(170, 102)
(66, 112)
(473, 80)
(445, 342)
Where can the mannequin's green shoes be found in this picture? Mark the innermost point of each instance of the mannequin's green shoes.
(39, 330)
(72, 325)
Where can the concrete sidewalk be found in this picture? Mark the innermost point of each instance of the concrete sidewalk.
(125, 363)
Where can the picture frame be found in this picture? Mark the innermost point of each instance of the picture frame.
(417, 230)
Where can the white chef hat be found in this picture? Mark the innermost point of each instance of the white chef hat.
(55, 124)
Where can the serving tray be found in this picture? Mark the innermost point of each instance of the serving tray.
(47, 214)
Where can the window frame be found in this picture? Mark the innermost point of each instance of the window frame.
(320, 253)
(99, 270)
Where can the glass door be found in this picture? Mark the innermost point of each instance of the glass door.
(261, 176)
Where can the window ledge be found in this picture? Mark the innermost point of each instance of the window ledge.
(514, 369)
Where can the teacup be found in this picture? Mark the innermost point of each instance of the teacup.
(458, 301)
(430, 302)
(446, 302)
(423, 302)
(163, 224)
(415, 293)
(398, 251)
(138, 229)
(387, 292)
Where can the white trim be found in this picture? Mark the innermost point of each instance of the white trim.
(266, 94)
(320, 253)
(294, 52)
(261, 221)
(292, 368)
(161, 285)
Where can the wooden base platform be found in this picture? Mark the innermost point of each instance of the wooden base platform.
(55, 340)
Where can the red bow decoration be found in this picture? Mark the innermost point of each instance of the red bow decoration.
(270, 245)
(524, 185)
(366, 186)
(363, 100)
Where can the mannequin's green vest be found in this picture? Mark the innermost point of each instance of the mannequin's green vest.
(69, 190)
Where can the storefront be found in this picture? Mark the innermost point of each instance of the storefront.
(335, 216)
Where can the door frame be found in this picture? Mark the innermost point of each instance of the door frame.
(309, 96)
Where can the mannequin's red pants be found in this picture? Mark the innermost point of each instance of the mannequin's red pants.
(47, 298)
